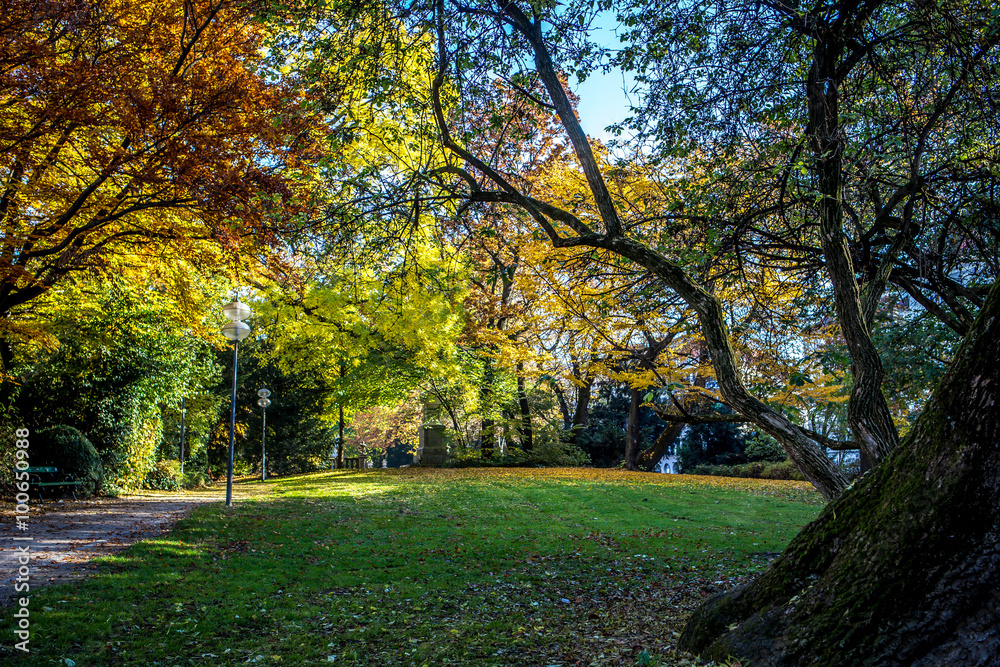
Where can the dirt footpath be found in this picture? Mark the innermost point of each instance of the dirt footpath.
(70, 534)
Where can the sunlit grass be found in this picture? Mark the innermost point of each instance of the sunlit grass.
(414, 567)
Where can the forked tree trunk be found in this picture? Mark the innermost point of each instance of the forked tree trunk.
(563, 405)
(904, 568)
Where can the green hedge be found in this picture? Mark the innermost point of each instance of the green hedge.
(65, 448)
(754, 470)
(164, 476)
(549, 450)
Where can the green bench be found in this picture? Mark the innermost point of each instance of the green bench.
(36, 479)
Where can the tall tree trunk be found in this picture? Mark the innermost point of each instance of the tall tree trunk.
(582, 411)
(867, 411)
(563, 405)
(904, 568)
(505, 436)
(632, 431)
(6, 368)
(487, 434)
(524, 431)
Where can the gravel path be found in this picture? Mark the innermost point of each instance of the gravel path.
(68, 535)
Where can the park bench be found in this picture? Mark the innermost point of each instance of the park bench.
(36, 479)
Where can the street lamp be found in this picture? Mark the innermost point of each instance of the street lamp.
(263, 402)
(235, 330)
(183, 411)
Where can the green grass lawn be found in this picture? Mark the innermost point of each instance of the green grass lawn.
(426, 567)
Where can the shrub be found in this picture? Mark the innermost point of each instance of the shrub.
(603, 442)
(129, 457)
(712, 444)
(195, 479)
(782, 470)
(763, 447)
(553, 449)
(65, 448)
(511, 458)
(755, 470)
(163, 477)
(549, 450)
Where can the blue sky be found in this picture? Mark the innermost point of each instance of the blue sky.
(603, 101)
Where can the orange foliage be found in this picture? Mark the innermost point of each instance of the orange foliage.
(127, 127)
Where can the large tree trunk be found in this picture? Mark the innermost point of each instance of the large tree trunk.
(563, 405)
(904, 568)
(340, 440)
(582, 412)
(487, 436)
(524, 430)
(340, 425)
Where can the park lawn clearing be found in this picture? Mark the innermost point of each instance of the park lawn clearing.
(427, 567)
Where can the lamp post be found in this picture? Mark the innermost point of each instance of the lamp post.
(235, 330)
(263, 402)
(183, 411)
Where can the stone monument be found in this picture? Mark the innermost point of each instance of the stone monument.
(432, 449)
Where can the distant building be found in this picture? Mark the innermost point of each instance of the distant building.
(667, 465)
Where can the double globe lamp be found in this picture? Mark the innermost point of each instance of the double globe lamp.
(235, 330)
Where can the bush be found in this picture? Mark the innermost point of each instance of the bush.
(511, 458)
(129, 458)
(603, 442)
(782, 470)
(195, 479)
(763, 447)
(65, 448)
(163, 477)
(553, 449)
(549, 450)
(755, 470)
(166, 476)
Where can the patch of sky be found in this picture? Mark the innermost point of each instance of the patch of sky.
(605, 96)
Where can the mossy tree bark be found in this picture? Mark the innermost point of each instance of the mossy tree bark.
(904, 568)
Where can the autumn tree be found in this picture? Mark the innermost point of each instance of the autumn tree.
(837, 595)
(131, 131)
(827, 598)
